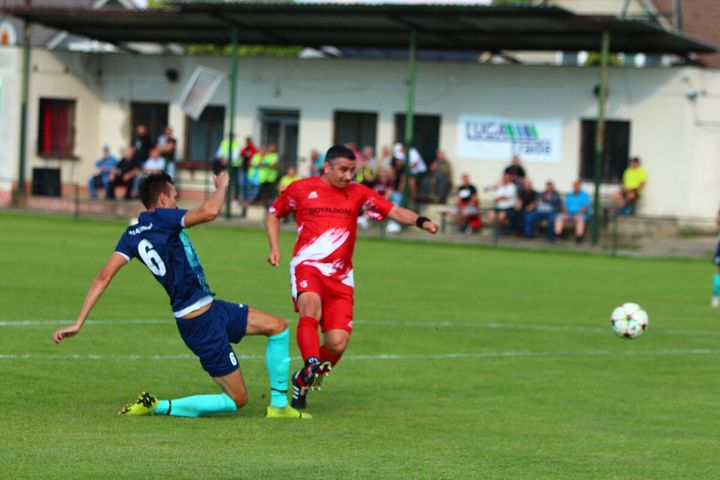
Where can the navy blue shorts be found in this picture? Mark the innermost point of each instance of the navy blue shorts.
(716, 259)
(209, 336)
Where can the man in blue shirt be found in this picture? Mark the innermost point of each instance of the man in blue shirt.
(207, 326)
(576, 209)
(105, 165)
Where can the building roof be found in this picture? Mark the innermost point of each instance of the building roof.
(446, 27)
(699, 18)
(42, 35)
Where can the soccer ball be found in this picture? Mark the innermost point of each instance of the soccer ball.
(629, 320)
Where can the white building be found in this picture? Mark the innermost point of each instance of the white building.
(669, 117)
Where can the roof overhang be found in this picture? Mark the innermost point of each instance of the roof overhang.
(438, 27)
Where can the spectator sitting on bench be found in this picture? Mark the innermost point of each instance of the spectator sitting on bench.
(506, 197)
(547, 205)
(576, 209)
(526, 202)
(105, 165)
(634, 179)
(467, 207)
(124, 175)
(154, 164)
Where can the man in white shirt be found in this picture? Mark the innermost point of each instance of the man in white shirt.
(505, 199)
(155, 163)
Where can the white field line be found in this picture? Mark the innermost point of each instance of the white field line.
(390, 323)
(440, 356)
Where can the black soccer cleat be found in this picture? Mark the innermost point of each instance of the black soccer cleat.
(299, 392)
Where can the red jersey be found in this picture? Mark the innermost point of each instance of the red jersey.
(326, 218)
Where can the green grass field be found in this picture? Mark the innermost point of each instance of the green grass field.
(465, 362)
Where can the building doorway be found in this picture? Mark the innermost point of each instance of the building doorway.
(426, 134)
(281, 127)
(153, 115)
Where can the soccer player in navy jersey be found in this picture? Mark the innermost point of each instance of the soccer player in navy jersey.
(207, 326)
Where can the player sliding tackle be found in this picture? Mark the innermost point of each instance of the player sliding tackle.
(326, 210)
(206, 325)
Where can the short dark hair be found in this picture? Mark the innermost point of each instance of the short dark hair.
(338, 151)
(152, 186)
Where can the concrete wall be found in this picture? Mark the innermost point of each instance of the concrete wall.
(678, 138)
(10, 62)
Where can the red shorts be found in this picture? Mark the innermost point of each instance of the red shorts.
(337, 298)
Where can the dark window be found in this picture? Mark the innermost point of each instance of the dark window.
(616, 148)
(357, 127)
(56, 132)
(426, 134)
(205, 134)
(153, 115)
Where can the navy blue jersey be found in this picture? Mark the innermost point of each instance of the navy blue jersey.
(160, 242)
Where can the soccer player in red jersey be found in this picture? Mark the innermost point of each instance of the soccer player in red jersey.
(321, 273)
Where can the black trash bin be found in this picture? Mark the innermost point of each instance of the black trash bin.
(46, 182)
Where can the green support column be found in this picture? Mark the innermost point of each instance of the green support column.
(410, 112)
(600, 135)
(24, 107)
(231, 134)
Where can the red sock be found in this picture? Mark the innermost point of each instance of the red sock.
(307, 337)
(327, 356)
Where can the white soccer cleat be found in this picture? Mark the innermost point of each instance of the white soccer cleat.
(715, 303)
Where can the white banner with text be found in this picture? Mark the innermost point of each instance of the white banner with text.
(497, 138)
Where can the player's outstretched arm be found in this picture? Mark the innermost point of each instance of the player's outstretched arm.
(272, 228)
(408, 217)
(98, 286)
(211, 208)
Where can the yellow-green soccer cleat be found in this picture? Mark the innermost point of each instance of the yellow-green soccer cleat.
(286, 412)
(144, 405)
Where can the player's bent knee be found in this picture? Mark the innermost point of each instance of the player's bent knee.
(240, 399)
(336, 346)
(278, 326)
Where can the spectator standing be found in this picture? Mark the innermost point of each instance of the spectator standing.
(289, 177)
(386, 157)
(515, 170)
(141, 144)
(416, 166)
(634, 179)
(167, 144)
(269, 172)
(364, 171)
(105, 166)
(221, 162)
(254, 175)
(443, 170)
(430, 187)
(548, 204)
(316, 163)
(247, 152)
(576, 208)
(368, 154)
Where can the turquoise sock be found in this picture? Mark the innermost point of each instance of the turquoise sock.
(716, 284)
(277, 361)
(196, 406)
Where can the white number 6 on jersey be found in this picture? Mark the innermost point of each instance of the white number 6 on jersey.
(151, 258)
